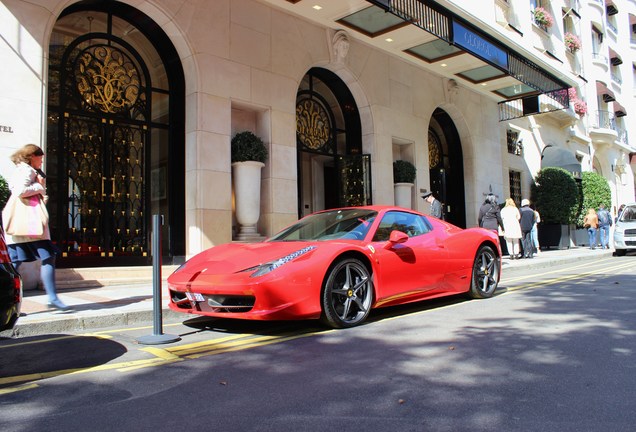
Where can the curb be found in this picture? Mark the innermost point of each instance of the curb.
(533, 263)
(90, 323)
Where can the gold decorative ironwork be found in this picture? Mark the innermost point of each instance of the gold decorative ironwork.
(107, 79)
(312, 124)
(434, 150)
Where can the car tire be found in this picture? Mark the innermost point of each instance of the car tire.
(621, 252)
(347, 294)
(485, 273)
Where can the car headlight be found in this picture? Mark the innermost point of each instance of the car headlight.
(619, 229)
(267, 267)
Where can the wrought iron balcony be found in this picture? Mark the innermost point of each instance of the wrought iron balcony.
(604, 120)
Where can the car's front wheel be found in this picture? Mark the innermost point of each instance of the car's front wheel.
(486, 272)
(347, 294)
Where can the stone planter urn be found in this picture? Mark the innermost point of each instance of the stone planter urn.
(246, 178)
(402, 192)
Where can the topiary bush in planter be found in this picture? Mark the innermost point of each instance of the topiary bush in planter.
(248, 147)
(4, 194)
(403, 172)
(595, 191)
(555, 196)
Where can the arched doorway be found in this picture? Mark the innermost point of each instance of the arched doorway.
(115, 136)
(332, 171)
(446, 164)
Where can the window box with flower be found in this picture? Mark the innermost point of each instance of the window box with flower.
(542, 17)
(572, 42)
(580, 106)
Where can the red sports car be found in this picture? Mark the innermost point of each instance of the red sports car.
(337, 265)
(10, 289)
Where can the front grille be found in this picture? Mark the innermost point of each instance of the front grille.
(630, 232)
(222, 303)
(215, 303)
(630, 243)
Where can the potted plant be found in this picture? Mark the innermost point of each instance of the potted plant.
(557, 199)
(572, 42)
(542, 17)
(403, 179)
(248, 155)
(4, 194)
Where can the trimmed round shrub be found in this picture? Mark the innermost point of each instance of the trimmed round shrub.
(248, 147)
(556, 196)
(595, 191)
(403, 172)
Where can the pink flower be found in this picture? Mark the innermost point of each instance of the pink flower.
(580, 106)
(572, 42)
(543, 17)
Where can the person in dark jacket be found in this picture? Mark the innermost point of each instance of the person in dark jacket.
(436, 205)
(527, 222)
(489, 214)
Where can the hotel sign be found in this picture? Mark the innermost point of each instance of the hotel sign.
(479, 46)
(6, 129)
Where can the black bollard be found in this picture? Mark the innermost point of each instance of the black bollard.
(157, 337)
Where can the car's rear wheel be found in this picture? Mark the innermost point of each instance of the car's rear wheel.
(486, 272)
(347, 294)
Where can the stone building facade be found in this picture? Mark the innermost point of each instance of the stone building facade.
(136, 102)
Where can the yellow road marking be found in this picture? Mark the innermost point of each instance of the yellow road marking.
(55, 339)
(570, 277)
(18, 388)
(586, 264)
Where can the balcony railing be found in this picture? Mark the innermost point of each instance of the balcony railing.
(622, 136)
(600, 58)
(616, 78)
(604, 120)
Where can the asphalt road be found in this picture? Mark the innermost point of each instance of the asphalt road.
(553, 351)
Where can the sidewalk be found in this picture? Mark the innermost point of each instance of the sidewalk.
(132, 304)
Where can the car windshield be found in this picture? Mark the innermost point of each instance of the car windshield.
(350, 224)
(629, 214)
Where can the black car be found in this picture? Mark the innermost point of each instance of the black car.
(10, 289)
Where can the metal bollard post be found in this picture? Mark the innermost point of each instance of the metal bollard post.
(157, 337)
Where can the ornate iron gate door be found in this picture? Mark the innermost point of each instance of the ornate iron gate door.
(105, 180)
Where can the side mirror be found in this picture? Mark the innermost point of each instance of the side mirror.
(396, 237)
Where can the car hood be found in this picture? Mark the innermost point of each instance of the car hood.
(235, 257)
(626, 224)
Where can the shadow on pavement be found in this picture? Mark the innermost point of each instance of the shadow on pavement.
(42, 355)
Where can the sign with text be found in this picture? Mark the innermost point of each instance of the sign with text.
(478, 45)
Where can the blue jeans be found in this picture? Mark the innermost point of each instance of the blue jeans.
(591, 232)
(528, 244)
(604, 236)
(47, 275)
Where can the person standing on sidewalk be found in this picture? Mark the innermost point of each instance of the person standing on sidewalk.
(512, 230)
(28, 180)
(590, 222)
(489, 214)
(436, 205)
(535, 232)
(604, 224)
(527, 222)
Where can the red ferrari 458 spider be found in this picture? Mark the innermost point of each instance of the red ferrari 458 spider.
(337, 265)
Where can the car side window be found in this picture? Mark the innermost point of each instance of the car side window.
(629, 214)
(410, 224)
